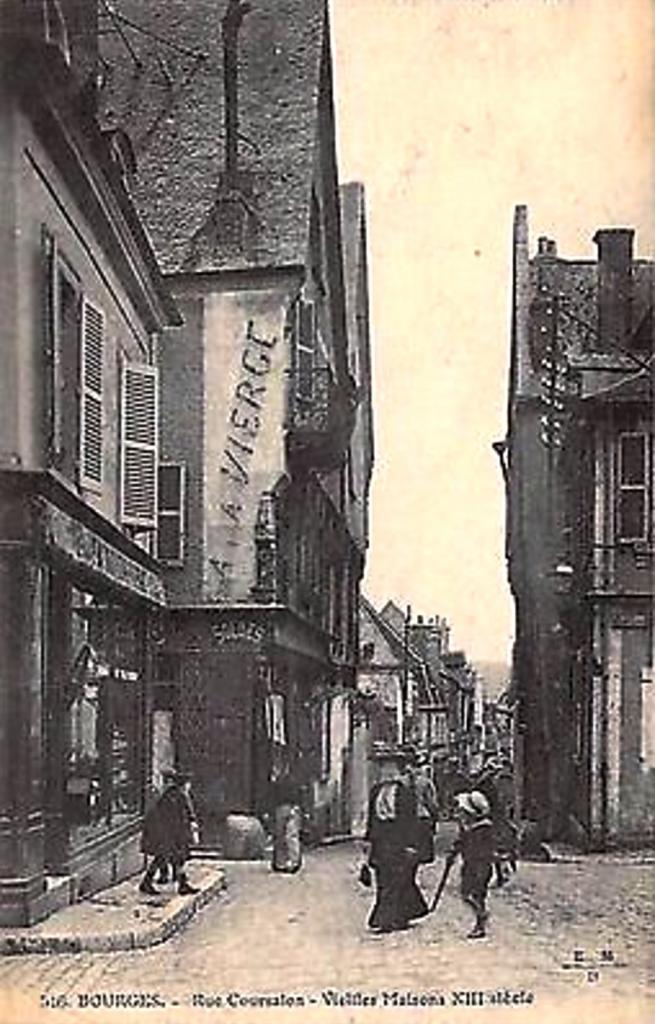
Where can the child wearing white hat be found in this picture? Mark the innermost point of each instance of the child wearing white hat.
(476, 845)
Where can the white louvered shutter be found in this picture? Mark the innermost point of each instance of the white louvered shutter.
(139, 449)
(91, 411)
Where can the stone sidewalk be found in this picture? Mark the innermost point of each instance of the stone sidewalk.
(118, 918)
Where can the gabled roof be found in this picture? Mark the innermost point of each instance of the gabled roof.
(164, 62)
(396, 641)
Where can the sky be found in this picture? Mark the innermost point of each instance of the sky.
(452, 112)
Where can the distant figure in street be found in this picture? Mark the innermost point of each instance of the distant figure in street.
(169, 831)
(475, 843)
(427, 807)
(393, 854)
(496, 783)
(287, 822)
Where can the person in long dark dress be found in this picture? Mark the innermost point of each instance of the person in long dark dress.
(391, 832)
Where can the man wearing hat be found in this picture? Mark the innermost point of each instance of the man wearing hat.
(391, 832)
(476, 845)
(427, 804)
(169, 831)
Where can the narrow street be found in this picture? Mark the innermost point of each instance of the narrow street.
(304, 937)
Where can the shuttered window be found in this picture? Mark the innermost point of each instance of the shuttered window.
(170, 518)
(139, 447)
(91, 411)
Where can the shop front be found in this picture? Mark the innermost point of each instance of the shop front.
(79, 599)
(242, 704)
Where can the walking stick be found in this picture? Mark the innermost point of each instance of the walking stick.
(442, 883)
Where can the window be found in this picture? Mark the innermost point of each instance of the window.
(139, 447)
(100, 671)
(367, 652)
(305, 336)
(170, 515)
(440, 729)
(632, 497)
(74, 372)
(55, 30)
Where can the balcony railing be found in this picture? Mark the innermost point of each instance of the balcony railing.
(321, 418)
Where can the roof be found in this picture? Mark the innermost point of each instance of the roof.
(548, 285)
(50, 94)
(164, 86)
(403, 650)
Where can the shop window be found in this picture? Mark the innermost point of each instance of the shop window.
(139, 446)
(165, 698)
(102, 776)
(632, 497)
(171, 513)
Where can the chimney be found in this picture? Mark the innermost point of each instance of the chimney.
(546, 247)
(614, 287)
(234, 15)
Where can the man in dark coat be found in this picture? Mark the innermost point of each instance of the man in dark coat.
(427, 805)
(496, 783)
(391, 832)
(169, 830)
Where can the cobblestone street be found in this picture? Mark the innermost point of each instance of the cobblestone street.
(301, 936)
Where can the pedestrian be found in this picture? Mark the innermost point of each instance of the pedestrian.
(287, 824)
(475, 843)
(492, 782)
(391, 833)
(427, 806)
(169, 831)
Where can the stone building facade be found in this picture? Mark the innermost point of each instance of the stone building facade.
(83, 306)
(413, 691)
(265, 394)
(578, 465)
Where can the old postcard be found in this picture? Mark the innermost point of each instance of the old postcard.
(327, 511)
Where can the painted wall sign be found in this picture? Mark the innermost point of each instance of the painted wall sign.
(244, 421)
(245, 360)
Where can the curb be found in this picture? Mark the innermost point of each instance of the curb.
(139, 938)
(341, 837)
